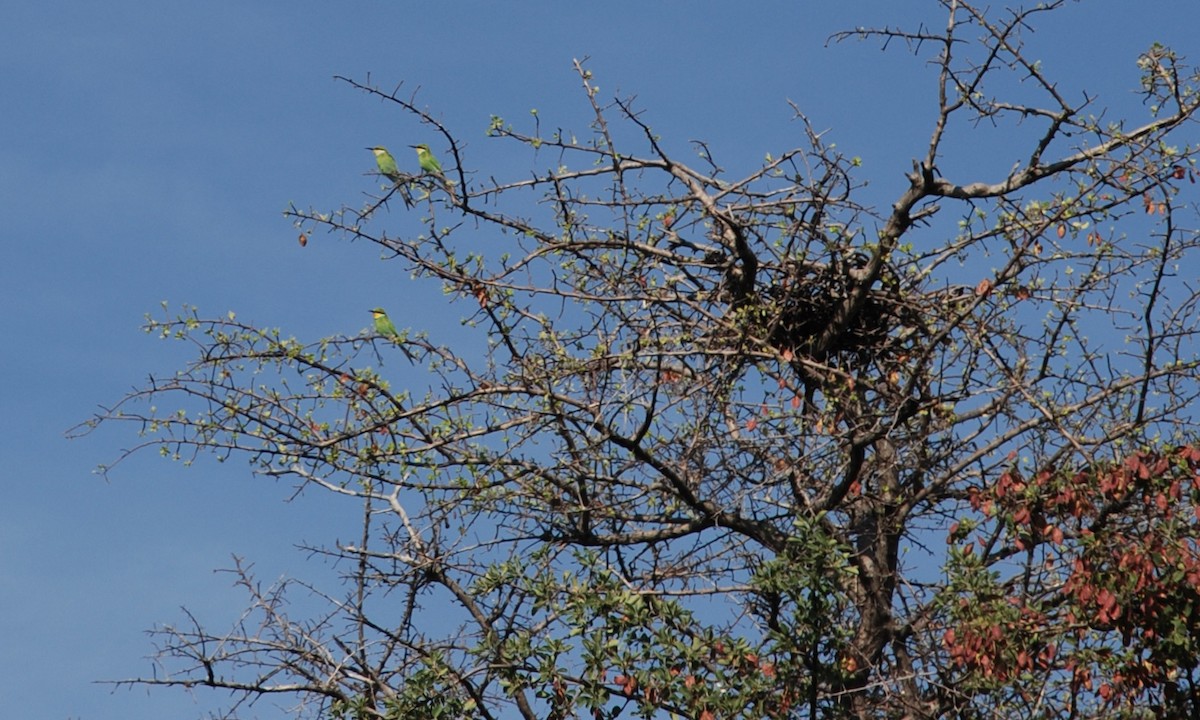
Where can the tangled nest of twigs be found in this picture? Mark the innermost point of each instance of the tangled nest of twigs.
(795, 310)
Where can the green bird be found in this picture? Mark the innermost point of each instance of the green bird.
(386, 163)
(384, 325)
(427, 161)
(430, 164)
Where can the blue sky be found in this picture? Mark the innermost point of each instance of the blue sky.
(147, 152)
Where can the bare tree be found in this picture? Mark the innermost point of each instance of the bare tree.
(747, 447)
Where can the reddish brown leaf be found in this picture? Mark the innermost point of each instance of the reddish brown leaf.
(481, 295)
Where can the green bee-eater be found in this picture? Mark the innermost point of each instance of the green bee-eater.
(384, 325)
(427, 161)
(430, 164)
(386, 163)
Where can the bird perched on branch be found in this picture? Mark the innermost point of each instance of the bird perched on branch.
(386, 163)
(384, 325)
(427, 161)
(430, 165)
